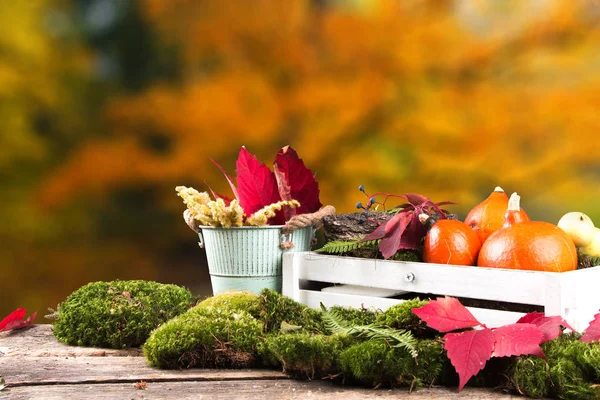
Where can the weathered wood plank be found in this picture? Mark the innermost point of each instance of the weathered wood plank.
(242, 390)
(19, 371)
(38, 341)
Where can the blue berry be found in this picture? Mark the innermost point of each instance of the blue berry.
(372, 200)
(359, 205)
(361, 188)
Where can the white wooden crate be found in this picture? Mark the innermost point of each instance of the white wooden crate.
(573, 295)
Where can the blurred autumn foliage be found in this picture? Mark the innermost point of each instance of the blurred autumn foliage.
(99, 121)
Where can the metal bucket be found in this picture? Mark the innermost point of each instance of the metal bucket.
(248, 258)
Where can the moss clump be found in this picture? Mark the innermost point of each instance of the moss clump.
(374, 362)
(276, 308)
(118, 314)
(205, 338)
(309, 356)
(568, 373)
(400, 316)
(235, 301)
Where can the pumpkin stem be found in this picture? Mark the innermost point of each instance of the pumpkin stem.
(514, 214)
(514, 203)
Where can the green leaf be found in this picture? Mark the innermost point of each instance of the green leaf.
(2, 384)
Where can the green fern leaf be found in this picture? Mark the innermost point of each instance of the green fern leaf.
(345, 246)
(395, 337)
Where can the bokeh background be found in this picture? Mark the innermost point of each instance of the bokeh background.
(107, 105)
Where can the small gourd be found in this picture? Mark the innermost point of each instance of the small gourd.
(579, 227)
(592, 249)
(488, 216)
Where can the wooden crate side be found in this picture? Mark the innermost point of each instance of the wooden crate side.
(525, 287)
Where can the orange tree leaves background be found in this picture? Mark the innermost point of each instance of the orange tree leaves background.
(448, 99)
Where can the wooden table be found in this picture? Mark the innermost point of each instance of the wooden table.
(35, 366)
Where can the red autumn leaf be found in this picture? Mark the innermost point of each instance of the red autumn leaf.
(446, 314)
(469, 351)
(414, 233)
(233, 188)
(550, 326)
(391, 234)
(295, 181)
(257, 187)
(518, 339)
(592, 333)
(415, 199)
(15, 320)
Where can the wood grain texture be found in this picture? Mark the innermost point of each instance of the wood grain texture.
(242, 390)
(38, 341)
(19, 371)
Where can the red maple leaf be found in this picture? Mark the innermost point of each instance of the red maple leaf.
(446, 314)
(257, 186)
(469, 351)
(518, 339)
(295, 181)
(592, 333)
(550, 326)
(14, 320)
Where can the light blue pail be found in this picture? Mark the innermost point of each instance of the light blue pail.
(248, 258)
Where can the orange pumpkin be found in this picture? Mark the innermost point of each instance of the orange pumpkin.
(536, 246)
(451, 242)
(488, 216)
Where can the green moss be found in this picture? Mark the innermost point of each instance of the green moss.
(118, 314)
(407, 255)
(375, 363)
(309, 356)
(400, 316)
(267, 358)
(235, 301)
(531, 376)
(276, 308)
(205, 338)
(590, 358)
(568, 373)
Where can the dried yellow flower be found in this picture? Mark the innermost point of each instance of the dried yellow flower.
(261, 217)
(193, 199)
